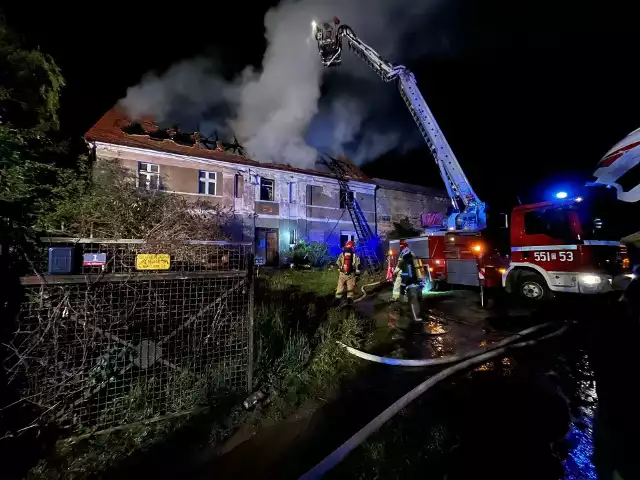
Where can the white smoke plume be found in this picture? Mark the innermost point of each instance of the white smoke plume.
(277, 111)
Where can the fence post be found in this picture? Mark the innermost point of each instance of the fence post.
(251, 280)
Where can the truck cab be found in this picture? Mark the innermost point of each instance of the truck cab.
(567, 246)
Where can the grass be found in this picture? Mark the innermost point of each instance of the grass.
(297, 330)
(296, 358)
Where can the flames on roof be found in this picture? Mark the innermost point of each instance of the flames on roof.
(116, 128)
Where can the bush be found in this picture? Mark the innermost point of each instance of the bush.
(110, 206)
(312, 254)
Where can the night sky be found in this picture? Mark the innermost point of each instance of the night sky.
(532, 96)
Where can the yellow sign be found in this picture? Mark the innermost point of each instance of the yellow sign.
(153, 261)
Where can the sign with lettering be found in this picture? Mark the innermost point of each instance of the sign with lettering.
(550, 256)
(94, 259)
(260, 261)
(153, 261)
(432, 219)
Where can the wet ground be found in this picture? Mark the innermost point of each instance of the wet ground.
(562, 410)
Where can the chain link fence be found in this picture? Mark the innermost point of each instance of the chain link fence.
(111, 332)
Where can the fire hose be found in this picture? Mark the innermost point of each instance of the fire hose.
(359, 437)
(364, 292)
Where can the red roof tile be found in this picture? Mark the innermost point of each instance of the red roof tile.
(109, 129)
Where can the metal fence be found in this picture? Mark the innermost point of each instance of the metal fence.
(129, 330)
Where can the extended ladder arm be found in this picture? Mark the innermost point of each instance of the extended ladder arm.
(469, 210)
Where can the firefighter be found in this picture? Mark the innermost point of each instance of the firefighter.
(349, 264)
(405, 271)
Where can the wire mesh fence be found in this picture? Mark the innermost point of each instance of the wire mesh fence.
(131, 330)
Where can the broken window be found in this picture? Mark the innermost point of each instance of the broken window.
(266, 189)
(207, 183)
(148, 176)
(313, 194)
(345, 196)
(238, 186)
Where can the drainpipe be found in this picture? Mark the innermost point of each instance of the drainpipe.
(375, 208)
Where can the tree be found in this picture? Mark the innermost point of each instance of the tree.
(30, 178)
(30, 85)
(114, 208)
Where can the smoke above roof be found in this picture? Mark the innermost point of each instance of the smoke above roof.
(278, 111)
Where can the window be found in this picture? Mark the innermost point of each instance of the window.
(385, 218)
(313, 194)
(207, 183)
(345, 237)
(554, 223)
(345, 196)
(148, 176)
(534, 223)
(238, 186)
(293, 191)
(266, 189)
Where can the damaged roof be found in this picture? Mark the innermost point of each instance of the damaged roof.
(113, 126)
(409, 188)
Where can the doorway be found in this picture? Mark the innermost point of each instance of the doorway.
(267, 251)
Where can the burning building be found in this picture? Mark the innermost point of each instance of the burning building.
(275, 204)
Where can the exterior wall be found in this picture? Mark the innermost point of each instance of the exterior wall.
(397, 202)
(295, 213)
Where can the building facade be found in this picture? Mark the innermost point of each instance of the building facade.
(396, 201)
(274, 205)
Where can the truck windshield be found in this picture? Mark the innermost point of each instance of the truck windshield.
(603, 217)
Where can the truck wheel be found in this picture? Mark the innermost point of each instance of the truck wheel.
(532, 287)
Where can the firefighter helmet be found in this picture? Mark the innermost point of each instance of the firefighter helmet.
(617, 163)
(349, 244)
(403, 244)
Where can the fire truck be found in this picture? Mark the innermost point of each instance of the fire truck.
(570, 244)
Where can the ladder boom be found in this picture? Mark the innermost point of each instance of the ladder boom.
(469, 211)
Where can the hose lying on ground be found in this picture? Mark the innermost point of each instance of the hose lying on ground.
(343, 450)
(425, 362)
(364, 293)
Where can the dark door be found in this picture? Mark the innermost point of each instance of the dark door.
(272, 248)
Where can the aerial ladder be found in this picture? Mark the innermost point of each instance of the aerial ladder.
(468, 211)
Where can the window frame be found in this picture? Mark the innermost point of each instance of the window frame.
(310, 188)
(344, 196)
(552, 223)
(148, 173)
(207, 181)
(273, 189)
(350, 234)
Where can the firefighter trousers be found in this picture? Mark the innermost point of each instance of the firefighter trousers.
(348, 281)
(397, 287)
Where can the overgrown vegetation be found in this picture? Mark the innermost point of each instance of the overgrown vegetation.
(108, 205)
(311, 254)
(296, 357)
(297, 330)
(47, 185)
(36, 165)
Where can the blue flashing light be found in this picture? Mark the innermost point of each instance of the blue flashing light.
(561, 195)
